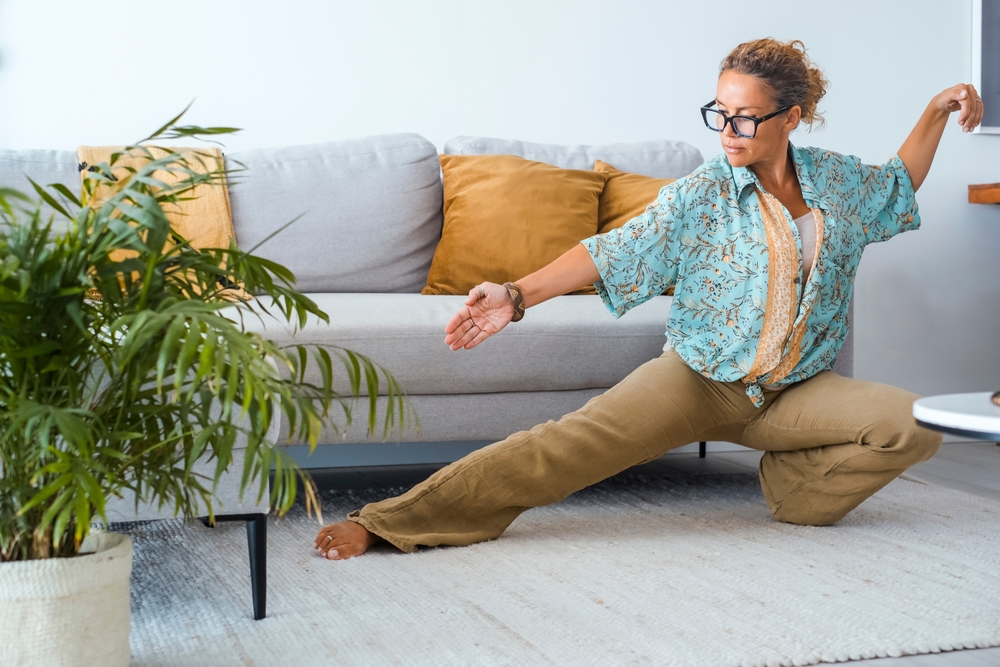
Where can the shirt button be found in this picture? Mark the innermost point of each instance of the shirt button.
(797, 281)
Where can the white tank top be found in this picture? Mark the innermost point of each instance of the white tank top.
(807, 232)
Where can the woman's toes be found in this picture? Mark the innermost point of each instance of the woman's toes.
(345, 551)
(343, 540)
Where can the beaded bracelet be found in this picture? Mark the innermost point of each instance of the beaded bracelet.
(518, 298)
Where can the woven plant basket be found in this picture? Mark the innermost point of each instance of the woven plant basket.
(68, 611)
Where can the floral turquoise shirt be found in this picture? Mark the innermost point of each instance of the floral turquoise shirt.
(742, 309)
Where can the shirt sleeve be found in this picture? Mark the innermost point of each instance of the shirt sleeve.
(640, 259)
(888, 203)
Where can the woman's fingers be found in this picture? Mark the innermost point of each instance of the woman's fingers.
(479, 338)
(465, 329)
(463, 342)
(455, 337)
(977, 109)
(471, 332)
(461, 316)
(964, 103)
(970, 105)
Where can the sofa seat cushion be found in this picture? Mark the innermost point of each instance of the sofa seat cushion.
(566, 343)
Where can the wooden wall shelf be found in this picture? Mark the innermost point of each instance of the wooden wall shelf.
(986, 193)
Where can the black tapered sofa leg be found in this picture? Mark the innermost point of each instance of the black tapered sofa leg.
(701, 449)
(257, 545)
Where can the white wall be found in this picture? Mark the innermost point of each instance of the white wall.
(299, 71)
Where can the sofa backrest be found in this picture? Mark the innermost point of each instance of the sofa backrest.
(42, 166)
(659, 159)
(370, 211)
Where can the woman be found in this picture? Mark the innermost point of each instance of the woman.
(761, 244)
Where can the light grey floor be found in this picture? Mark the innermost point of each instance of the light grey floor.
(973, 467)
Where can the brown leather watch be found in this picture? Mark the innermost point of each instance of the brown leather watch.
(517, 296)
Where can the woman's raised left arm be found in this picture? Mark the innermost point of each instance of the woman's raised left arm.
(917, 152)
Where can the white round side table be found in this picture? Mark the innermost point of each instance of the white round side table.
(969, 415)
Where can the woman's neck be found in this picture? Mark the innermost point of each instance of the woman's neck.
(776, 173)
(778, 177)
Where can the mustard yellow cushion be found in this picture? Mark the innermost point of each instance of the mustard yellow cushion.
(506, 217)
(625, 195)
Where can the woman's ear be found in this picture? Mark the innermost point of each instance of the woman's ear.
(793, 117)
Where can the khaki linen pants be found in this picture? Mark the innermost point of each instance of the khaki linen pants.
(830, 442)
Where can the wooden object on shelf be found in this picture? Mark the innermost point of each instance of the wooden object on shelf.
(985, 193)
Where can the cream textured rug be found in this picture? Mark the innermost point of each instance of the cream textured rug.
(640, 571)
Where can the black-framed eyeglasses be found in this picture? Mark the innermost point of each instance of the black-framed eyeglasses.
(743, 126)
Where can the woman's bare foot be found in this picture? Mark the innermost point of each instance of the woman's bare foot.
(338, 541)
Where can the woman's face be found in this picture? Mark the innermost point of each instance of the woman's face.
(746, 95)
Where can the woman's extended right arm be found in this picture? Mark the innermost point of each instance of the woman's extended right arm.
(572, 270)
(481, 317)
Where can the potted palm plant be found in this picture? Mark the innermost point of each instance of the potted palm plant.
(120, 368)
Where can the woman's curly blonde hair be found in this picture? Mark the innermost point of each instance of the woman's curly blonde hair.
(785, 69)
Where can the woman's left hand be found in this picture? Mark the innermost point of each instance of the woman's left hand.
(964, 98)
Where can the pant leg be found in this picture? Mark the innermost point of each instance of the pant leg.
(831, 442)
(661, 405)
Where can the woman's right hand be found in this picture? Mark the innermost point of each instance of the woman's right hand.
(488, 309)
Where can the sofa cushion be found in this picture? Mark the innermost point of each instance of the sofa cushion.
(506, 217)
(569, 342)
(370, 211)
(625, 196)
(661, 159)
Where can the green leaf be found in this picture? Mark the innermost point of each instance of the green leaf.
(170, 123)
(67, 193)
(36, 350)
(75, 312)
(192, 342)
(45, 493)
(371, 376)
(50, 200)
(168, 349)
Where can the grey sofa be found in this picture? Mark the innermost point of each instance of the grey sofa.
(371, 218)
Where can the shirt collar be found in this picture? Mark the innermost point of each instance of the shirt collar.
(744, 177)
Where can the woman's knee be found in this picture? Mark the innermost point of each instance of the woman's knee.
(923, 443)
(899, 432)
